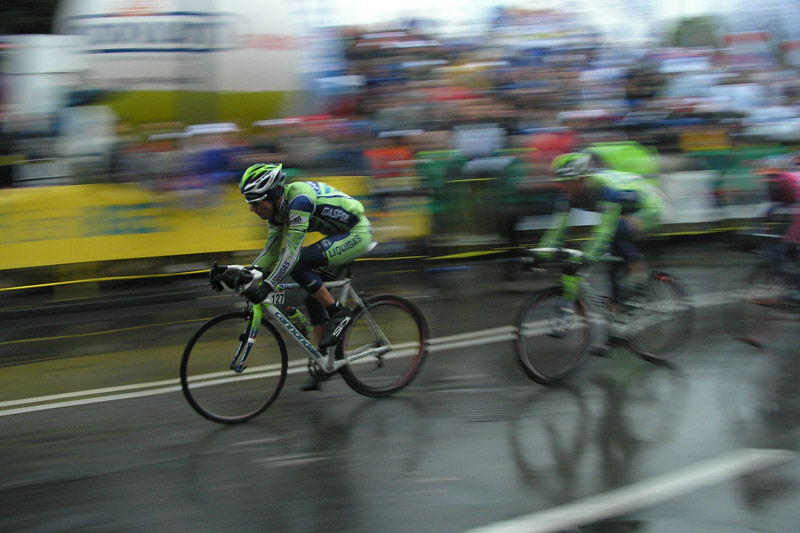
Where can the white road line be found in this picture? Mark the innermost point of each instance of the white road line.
(120, 388)
(85, 401)
(502, 330)
(454, 344)
(713, 299)
(106, 398)
(644, 493)
(93, 392)
(126, 392)
(438, 344)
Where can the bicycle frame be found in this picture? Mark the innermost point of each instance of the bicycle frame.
(625, 325)
(326, 359)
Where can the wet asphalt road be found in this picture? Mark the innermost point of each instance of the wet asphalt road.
(625, 445)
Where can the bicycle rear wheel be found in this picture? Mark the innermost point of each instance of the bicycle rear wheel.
(216, 391)
(660, 317)
(385, 317)
(763, 310)
(554, 336)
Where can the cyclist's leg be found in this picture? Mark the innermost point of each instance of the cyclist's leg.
(305, 273)
(792, 234)
(622, 245)
(340, 250)
(332, 251)
(639, 224)
(310, 273)
(792, 240)
(344, 248)
(316, 310)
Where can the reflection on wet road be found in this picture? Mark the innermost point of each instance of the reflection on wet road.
(706, 445)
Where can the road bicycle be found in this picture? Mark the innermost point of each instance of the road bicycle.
(766, 298)
(556, 334)
(380, 352)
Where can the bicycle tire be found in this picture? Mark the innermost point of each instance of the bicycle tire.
(761, 309)
(552, 342)
(661, 318)
(220, 394)
(406, 328)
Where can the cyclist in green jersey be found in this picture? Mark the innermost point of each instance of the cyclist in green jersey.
(628, 205)
(293, 210)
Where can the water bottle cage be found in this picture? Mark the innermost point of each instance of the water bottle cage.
(299, 321)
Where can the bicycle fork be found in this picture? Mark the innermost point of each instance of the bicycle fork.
(246, 340)
(562, 316)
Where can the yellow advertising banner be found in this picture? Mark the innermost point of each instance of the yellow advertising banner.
(84, 223)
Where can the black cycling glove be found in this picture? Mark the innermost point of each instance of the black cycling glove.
(213, 277)
(258, 293)
(572, 266)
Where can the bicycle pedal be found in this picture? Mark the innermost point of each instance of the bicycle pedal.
(315, 380)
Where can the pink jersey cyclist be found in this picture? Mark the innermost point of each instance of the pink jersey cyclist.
(784, 191)
(782, 176)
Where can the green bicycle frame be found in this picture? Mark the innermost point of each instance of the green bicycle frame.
(327, 361)
(247, 339)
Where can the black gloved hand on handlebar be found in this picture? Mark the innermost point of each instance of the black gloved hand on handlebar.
(214, 276)
(257, 293)
(532, 259)
(572, 266)
(233, 277)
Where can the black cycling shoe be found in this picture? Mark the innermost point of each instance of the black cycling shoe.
(336, 326)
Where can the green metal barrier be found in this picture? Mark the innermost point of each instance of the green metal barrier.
(478, 209)
(435, 168)
(736, 183)
(475, 208)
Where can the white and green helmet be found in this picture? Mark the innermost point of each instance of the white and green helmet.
(262, 181)
(571, 166)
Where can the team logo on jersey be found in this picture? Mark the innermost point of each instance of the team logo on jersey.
(344, 246)
(336, 214)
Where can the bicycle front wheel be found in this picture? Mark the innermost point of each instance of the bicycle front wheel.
(660, 317)
(554, 336)
(218, 392)
(396, 334)
(763, 308)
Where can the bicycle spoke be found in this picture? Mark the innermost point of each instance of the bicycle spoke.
(217, 391)
(396, 331)
(659, 319)
(552, 340)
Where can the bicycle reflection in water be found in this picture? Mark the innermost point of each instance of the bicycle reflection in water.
(557, 431)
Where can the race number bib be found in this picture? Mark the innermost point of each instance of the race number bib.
(277, 297)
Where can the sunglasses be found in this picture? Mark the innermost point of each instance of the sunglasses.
(257, 198)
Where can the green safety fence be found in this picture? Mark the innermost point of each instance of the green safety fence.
(736, 182)
(475, 210)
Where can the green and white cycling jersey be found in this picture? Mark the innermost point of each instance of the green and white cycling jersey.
(612, 194)
(313, 207)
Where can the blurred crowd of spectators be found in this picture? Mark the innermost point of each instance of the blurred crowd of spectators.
(411, 96)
